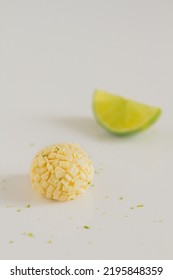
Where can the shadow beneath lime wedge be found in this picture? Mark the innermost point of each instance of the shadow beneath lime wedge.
(85, 126)
(88, 128)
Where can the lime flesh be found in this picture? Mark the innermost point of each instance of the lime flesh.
(122, 116)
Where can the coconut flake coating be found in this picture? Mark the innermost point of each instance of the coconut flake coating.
(61, 172)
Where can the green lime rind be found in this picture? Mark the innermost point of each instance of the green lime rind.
(147, 122)
(131, 131)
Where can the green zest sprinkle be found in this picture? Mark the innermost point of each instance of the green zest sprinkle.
(30, 234)
(131, 207)
(86, 227)
(11, 242)
(121, 198)
(49, 241)
(19, 210)
(140, 205)
(28, 206)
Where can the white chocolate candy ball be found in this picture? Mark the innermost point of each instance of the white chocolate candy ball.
(61, 172)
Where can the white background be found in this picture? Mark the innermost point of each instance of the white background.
(53, 54)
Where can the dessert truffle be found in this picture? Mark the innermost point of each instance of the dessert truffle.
(61, 172)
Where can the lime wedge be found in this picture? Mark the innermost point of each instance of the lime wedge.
(122, 116)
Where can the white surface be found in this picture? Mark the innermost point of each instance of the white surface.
(53, 54)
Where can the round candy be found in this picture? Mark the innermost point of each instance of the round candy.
(61, 172)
